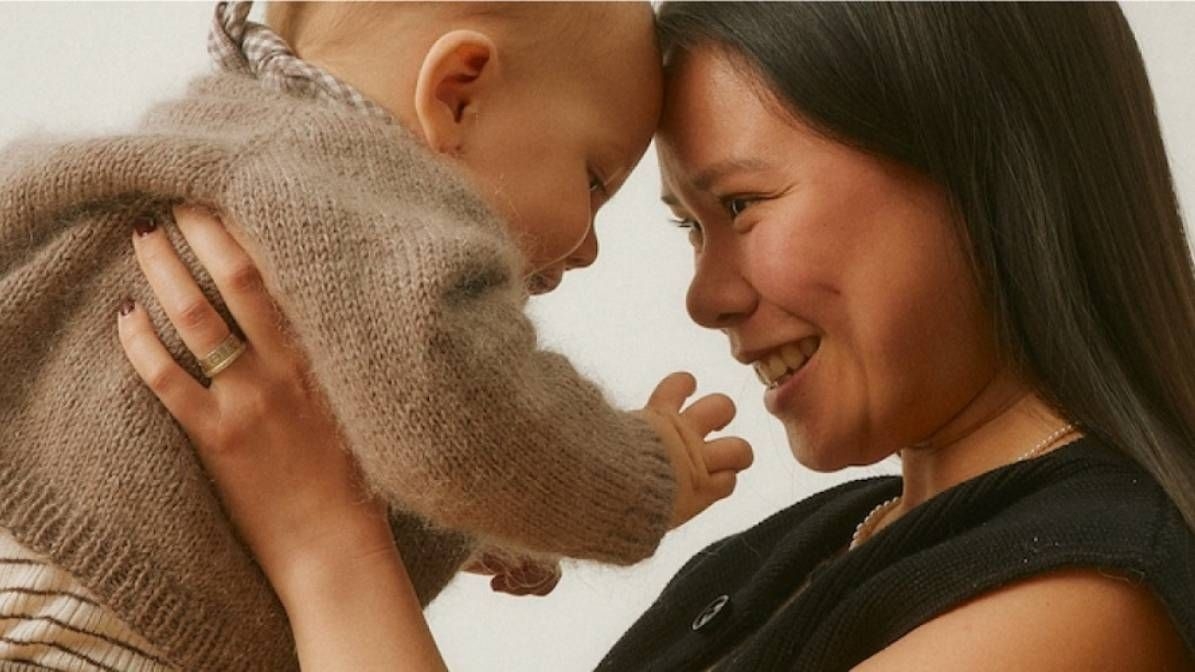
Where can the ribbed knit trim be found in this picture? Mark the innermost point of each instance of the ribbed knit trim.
(48, 617)
(124, 579)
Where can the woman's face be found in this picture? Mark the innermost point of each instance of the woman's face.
(803, 245)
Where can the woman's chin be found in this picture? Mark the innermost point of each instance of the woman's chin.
(827, 456)
(821, 458)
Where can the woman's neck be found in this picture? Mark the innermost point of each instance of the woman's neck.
(1002, 424)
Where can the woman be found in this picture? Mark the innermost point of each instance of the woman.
(946, 231)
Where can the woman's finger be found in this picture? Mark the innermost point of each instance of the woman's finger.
(236, 275)
(709, 413)
(672, 392)
(729, 453)
(197, 322)
(182, 395)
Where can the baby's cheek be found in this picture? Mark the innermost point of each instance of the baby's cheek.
(565, 229)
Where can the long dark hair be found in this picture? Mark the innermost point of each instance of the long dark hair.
(1039, 121)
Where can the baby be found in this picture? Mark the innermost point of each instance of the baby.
(404, 273)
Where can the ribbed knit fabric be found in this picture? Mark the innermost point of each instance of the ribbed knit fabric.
(1084, 504)
(406, 293)
(49, 620)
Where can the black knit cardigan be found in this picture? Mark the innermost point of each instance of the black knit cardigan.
(1084, 504)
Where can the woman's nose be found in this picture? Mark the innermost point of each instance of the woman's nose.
(719, 296)
(586, 253)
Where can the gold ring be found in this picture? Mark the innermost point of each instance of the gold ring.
(223, 356)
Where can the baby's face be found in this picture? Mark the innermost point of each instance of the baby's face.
(548, 113)
(548, 154)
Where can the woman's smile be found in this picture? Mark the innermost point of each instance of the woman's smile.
(799, 361)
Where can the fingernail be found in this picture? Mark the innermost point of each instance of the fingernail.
(144, 225)
(127, 307)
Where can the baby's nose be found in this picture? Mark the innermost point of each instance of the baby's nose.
(586, 253)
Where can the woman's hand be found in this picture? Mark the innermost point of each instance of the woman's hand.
(275, 453)
(261, 429)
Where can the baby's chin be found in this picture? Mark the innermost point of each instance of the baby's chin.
(539, 283)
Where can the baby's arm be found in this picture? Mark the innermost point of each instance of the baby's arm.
(468, 422)
(416, 331)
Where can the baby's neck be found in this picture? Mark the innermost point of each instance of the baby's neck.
(387, 77)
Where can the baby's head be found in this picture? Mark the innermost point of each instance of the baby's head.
(546, 106)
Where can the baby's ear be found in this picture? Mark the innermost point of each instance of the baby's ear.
(458, 73)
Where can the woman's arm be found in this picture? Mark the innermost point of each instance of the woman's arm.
(357, 612)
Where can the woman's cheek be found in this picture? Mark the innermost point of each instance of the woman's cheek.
(792, 271)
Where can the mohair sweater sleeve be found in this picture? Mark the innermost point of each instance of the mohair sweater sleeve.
(408, 295)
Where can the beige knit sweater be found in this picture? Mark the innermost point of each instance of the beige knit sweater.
(405, 291)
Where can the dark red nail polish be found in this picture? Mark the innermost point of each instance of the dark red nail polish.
(144, 225)
(127, 307)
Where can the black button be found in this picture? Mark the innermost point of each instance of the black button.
(711, 612)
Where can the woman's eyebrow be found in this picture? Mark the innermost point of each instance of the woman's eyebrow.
(716, 171)
(710, 175)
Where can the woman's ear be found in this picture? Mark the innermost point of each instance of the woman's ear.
(457, 74)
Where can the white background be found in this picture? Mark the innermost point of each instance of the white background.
(78, 67)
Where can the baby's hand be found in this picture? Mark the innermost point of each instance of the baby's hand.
(706, 471)
(515, 574)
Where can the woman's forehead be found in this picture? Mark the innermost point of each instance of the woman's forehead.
(714, 100)
(716, 125)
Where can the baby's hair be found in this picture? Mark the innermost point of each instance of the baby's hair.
(293, 20)
(525, 24)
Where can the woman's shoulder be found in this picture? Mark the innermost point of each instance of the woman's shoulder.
(1085, 506)
(1077, 546)
(1087, 495)
(1087, 503)
(1069, 619)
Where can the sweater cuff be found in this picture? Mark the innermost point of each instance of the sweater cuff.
(638, 492)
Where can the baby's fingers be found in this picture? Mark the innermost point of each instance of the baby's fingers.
(671, 393)
(709, 414)
(528, 579)
(727, 454)
(182, 395)
(721, 485)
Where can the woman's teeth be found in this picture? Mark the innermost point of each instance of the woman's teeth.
(778, 366)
